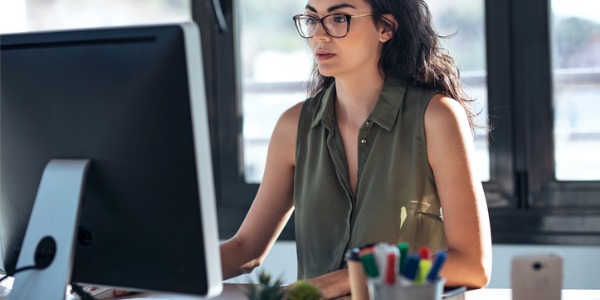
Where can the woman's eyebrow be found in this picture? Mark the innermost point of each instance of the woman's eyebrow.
(308, 7)
(338, 6)
(333, 8)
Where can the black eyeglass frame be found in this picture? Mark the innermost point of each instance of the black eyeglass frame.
(296, 19)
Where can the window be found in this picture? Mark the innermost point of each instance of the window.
(34, 15)
(275, 64)
(576, 86)
(532, 204)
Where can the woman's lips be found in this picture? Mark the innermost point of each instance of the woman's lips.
(324, 55)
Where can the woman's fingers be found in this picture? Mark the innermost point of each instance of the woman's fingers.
(121, 292)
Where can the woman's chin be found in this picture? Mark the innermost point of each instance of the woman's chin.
(326, 72)
(326, 69)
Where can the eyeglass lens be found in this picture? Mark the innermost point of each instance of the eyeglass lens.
(334, 25)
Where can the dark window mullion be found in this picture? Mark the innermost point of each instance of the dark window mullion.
(500, 190)
(532, 83)
(234, 195)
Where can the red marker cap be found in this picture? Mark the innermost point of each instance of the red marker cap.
(424, 253)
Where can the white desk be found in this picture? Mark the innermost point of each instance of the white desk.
(505, 294)
(236, 292)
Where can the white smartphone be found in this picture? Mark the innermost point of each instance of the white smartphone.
(537, 277)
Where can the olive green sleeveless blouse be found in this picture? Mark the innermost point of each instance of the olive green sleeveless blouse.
(396, 198)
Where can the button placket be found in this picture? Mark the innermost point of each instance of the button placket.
(365, 131)
(364, 134)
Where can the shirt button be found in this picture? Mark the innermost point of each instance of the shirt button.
(363, 141)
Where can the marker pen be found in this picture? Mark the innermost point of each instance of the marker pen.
(424, 253)
(369, 264)
(412, 264)
(391, 271)
(423, 271)
(440, 258)
(380, 250)
(403, 248)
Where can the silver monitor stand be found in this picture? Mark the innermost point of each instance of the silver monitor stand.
(50, 236)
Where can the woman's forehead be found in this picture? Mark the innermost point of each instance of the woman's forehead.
(332, 5)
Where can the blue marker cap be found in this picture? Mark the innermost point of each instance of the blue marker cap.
(412, 265)
(440, 258)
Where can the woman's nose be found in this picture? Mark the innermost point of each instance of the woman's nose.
(320, 34)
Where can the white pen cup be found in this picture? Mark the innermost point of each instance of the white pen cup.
(426, 291)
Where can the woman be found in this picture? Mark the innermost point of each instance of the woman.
(382, 151)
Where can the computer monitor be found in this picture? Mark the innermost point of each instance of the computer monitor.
(131, 100)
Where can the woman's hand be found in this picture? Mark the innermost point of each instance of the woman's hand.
(332, 285)
(100, 292)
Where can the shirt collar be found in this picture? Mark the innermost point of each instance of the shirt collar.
(386, 110)
(326, 113)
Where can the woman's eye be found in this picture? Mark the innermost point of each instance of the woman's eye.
(339, 18)
(311, 20)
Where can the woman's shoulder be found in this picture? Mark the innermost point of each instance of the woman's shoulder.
(303, 110)
(283, 138)
(442, 110)
(287, 124)
(292, 114)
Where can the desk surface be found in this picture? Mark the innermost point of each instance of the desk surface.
(506, 294)
(235, 292)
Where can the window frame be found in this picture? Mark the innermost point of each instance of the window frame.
(543, 210)
(527, 205)
(223, 86)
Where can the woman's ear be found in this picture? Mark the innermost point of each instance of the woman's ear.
(386, 31)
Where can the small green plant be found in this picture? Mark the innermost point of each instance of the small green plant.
(273, 290)
(265, 289)
(304, 290)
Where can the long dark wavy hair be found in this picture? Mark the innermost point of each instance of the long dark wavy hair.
(413, 53)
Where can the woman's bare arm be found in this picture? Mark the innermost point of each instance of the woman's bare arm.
(272, 205)
(466, 220)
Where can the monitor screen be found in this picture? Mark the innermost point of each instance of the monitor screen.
(132, 101)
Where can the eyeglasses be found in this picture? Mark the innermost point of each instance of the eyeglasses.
(336, 25)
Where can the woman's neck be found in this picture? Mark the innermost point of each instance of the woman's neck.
(356, 97)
